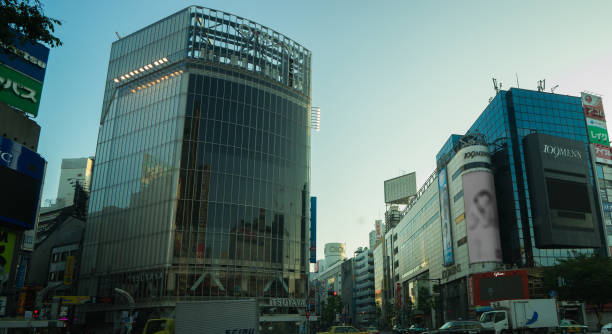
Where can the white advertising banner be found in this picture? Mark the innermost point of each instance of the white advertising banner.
(482, 221)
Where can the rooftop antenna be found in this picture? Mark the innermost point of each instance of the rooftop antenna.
(541, 85)
(517, 84)
(552, 90)
(495, 86)
(118, 36)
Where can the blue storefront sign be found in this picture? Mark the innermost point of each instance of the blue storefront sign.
(607, 206)
(26, 57)
(21, 175)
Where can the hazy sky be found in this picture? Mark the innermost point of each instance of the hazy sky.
(393, 79)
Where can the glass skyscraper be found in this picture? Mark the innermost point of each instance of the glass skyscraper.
(505, 122)
(201, 183)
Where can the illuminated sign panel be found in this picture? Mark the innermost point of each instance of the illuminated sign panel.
(21, 173)
(19, 91)
(26, 57)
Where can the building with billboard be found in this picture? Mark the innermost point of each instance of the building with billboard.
(201, 185)
(595, 119)
(603, 166)
(490, 215)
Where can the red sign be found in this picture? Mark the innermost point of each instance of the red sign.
(603, 154)
(499, 285)
(398, 295)
(470, 284)
(593, 107)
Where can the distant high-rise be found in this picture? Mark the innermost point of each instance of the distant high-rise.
(201, 185)
(393, 216)
(74, 171)
(373, 239)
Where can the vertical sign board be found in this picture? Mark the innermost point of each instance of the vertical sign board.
(19, 91)
(21, 270)
(22, 72)
(447, 237)
(313, 230)
(21, 174)
(603, 154)
(7, 245)
(3, 306)
(69, 272)
(595, 119)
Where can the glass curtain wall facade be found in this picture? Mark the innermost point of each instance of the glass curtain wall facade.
(201, 187)
(511, 116)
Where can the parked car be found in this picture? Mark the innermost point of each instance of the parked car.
(461, 327)
(415, 329)
(343, 329)
(607, 328)
(399, 329)
(372, 330)
(572, 326)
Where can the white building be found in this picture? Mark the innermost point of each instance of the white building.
(365, 307)
(73, 171)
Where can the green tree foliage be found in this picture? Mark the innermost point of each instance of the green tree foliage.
(26, 17)
(584, 278)
(389, 314)
(329, 309)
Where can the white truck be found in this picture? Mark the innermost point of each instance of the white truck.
(522, 316)
(209, 317)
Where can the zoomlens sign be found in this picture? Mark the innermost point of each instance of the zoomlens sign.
(19, 91)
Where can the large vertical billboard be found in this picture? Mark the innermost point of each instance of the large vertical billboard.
(7, 245)
(561, 193)
(447, 236)
(482, 222)
(595, 119)
(313, 230)
(22, 72)
(21, 174)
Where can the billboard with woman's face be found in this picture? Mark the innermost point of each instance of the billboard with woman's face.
(447, 236)
(481, 217)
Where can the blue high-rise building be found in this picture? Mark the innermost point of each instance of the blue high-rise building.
(506, 121)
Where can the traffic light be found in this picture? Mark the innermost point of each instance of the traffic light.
(307, 315)
(335, 293)
(35, 314)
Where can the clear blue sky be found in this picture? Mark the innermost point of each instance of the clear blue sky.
(393, 79)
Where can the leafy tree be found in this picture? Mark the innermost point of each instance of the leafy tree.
(425, 301)
(379, 317)
(584, 278)
(406, 312)
(26, 17)
(390, 313)
(330, 307)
